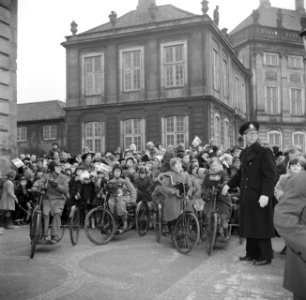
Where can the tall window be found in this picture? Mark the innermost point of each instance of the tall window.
(298, 140)
(94, 75)
(271, 59)
(275, 138)
(295, 61)
(217, 129)
(236, 93)
(243, 97)
(225, 77)
(175, 130)
(216, 69)
(272, 100)
(132, 69)
(50, 132)
(94, 136)
(174, 59)
(226, 142)
(133, 131)
(21, 134)
(296, 102)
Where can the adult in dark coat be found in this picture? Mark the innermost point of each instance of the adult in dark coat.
(290, 221)
(257, 178)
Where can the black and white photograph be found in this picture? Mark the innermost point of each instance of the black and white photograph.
(152, 150)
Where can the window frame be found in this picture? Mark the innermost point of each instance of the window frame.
(19, 134)
(218, 135)
(301, 100)
(226, 136)
(267, 63)
(122, 52)
(163, 63)
(175, 133)
(278, 99)
(225, 77)
(299, 133)
(47, 132)
(84, 76)
(94, 137)
(133, 135)
(274, 132)
(291, 65)
(216, 68)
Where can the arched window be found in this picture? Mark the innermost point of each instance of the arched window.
(133, 132)
(217, 129)
(298, 140)
(94, 136)
(275, 138)
(175, 130)
(226, 142)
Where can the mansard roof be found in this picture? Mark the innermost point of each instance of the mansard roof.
(39, 111)
(268, 17)
(139, 17)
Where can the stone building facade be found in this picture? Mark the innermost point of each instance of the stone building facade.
(268, 44)
(156, 73)
(8, 80)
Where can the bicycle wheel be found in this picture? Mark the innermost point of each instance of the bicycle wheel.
(142, 218)
(99, 226)
(158, 223)
(74, 226)
(186, 232)
(34, 230)
(211, 232)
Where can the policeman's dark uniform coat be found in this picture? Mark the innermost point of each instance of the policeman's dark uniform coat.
(256, 176)
(290, 222)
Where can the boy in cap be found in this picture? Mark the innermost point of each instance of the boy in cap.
(257, 178)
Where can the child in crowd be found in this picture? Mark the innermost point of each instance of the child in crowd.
(217, 177)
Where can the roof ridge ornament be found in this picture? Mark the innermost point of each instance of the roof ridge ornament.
(205, 6)
(73, 27)
(113, 18)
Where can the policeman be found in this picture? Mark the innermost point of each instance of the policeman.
(257, 178)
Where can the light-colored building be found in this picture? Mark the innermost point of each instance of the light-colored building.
(156, 73)
(268, 44)
(8, 81)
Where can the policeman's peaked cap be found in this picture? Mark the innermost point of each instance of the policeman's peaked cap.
(244, 128)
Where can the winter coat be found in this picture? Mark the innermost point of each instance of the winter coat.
(256, 176)
(290, 222)
(172, 203)
(144, 188)
(7, 201)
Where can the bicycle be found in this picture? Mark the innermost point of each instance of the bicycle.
(186, 231)
(37, 226)
(101, 224)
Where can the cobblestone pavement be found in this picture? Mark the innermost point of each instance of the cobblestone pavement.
(133, 268)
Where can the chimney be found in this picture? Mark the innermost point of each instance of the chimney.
(144, 5)
(299, 6)
(265, 3)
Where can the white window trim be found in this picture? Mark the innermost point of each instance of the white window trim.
(215, 129)
(272, 54)
(142, 71)
(103, 73)
(225, 77)
(216, 77)
(19, 134)
(276, 132)
(49, 132)
(163, 132)
(243, 97)
(228, 137)
(302, 100)
(103, 137)
(237, 92)
(162, 62)
(298, 133)
(295, 56)
(143, 125)
(266, 99)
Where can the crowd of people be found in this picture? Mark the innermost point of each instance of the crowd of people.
(267, 179)
(130, 176)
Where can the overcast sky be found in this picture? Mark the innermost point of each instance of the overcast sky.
(43, 25)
